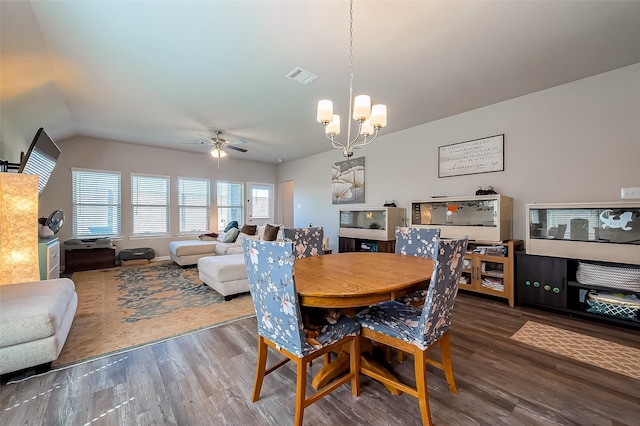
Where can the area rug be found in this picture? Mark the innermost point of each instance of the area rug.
(130, 306)
(600, 353)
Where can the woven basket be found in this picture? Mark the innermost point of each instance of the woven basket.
(625, 307)
(603, 275)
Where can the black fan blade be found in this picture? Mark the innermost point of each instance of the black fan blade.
(235, 148)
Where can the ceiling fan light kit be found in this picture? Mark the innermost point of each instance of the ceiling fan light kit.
(218, 153)
(370, 118)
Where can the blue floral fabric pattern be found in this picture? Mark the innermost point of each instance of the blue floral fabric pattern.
(422, 327)
(306, 241)
(419, 242)
(270, 273)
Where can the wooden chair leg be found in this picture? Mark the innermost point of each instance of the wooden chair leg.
(445, 352)
(420, 365)
(301, 383)
(261, 366)
(355, 366)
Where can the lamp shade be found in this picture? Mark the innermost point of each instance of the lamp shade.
(18, 228)
(218, 153)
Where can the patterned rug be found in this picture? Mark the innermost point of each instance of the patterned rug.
(600, 353)
(131, 306)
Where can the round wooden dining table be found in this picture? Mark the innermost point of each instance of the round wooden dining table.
(352, 281)
(357, 279)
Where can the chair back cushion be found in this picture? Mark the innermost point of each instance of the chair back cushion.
(270, 274)
(306, 241)
(436, 313)
(420, 242)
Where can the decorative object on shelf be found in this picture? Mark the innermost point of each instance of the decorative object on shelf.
(370, 119)
(347, 181)
(483, 155)
(487, 191)
(18, 228)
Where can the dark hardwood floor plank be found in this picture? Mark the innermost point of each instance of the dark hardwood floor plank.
(206, 378)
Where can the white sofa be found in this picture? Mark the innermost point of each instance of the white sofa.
(35, 319)
(225, 272)
(188, 252)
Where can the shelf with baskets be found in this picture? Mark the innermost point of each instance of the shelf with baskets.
(488, 268)
(608, 292)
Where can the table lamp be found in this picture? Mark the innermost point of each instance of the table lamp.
(18, 228)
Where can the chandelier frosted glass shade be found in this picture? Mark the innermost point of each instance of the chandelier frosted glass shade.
(370, 118)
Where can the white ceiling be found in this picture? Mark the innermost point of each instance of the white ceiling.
(164, 72)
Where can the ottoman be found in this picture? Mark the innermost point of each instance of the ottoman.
(35, 320)
(188, 252)
(225, 274)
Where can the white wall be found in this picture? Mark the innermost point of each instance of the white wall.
(577, 142)
(89, 153)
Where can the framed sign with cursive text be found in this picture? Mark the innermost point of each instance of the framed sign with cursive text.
(477, 156)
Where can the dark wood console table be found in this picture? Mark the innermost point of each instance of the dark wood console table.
(91, 258)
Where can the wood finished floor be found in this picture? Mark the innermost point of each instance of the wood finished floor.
(206, 378)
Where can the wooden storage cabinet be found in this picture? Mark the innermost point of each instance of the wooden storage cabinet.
(541, 280)
(49, 258)
(86, 259)
(346, 245)
(488, 273)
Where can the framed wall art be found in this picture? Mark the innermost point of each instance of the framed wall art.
(347, 181)
(483, 155)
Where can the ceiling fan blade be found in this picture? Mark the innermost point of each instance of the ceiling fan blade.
(235, 148)
(236, 142)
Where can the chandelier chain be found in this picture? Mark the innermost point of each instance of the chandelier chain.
(350, 71)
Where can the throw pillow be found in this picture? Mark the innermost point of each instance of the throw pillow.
(249, 229)
(270, 232)
(208, 237)
(231, 235)
(232, 224)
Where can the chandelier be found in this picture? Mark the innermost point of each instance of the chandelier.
(370, 119)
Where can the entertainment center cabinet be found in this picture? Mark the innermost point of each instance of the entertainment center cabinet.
(487, 220)
(561, 239)
(87, 259)
(369, 229)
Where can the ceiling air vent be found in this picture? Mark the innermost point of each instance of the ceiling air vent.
(302, 76)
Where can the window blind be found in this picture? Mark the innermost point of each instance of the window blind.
(229, 196)
(150, 205)
(96, 203)
(193, 205)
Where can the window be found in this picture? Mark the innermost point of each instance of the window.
(150, 205)
(193, 205)
(96, 203)
(230, 196)
(260, 201)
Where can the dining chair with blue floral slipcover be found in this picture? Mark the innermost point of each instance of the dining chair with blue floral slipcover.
(271, 283)
(421, 242)
(416, 330)
(306, 241)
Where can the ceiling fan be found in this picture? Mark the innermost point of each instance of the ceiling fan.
(217, 143)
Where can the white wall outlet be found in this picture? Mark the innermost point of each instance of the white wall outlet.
(627, 193)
